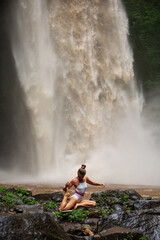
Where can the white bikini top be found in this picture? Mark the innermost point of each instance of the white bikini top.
(80, 190)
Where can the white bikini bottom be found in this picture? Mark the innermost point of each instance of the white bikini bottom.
(78, 198)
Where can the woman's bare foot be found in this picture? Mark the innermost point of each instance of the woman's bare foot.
(77, 205)
(67, 194)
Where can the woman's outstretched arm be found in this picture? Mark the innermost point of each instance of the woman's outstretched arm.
(94, 183)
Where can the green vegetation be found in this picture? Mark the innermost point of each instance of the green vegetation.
(74, 216)
(20, 197)
(22, 193)
(103, 199)
(80, 215)
(9, 201)
(51, 206)
(124, 199)
(29, 202)
(11, 195)
(103, 212)
(144, 21)
(3, 189)
(143, 238)
(129, 237)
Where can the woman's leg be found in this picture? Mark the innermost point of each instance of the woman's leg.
(70, 204)
(64, 201)
(85, 203)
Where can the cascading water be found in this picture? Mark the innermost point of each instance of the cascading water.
(36, 65)
(75, 66)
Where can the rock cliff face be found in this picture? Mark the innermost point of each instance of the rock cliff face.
(118, 215)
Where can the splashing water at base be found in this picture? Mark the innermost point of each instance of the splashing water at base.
(75, 66)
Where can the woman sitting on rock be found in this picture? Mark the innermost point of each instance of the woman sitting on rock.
(80, 183)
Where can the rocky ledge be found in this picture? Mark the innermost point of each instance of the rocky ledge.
(118, 215)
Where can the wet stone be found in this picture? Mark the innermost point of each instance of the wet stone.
(118, 208)
(57, 196)
(146, 204)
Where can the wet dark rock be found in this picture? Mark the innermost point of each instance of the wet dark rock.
(29, 198)
(73, 237)
(114, 211)
(114, 193)
(118, 208)
(43, 197)
(148, 222)
(73, 228)
(18, 210)
(93, 214)
(146, 204)
(30, 208)
(56, 197)
(92, 223)
(133, 195)
(31, 226)
(4, 207)
(11, 190)
(147, 198)
(118, 233)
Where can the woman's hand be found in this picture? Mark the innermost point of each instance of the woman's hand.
(66, 187)
(102, 184)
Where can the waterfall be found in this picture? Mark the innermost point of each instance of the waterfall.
(36, 65)
(75, 66)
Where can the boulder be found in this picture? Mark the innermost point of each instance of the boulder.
(31, 226)
(146, 221)
(56, 197)
(146, 204)
(118, 233)
(28, 208)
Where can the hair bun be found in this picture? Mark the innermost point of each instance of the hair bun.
(83, 166)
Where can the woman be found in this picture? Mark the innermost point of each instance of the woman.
(80, 183)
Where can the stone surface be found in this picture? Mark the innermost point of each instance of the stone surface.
(31, 226)
(146, 204)
(146, 221)
(56, 197)
(29, 208)
(127, 209)
(118, 233)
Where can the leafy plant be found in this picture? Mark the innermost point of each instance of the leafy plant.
(60, 215)
(11, 195)
(74, 216)
(9, 200)
(103, 212)
(22, 193)
(143, 238)
(129, 209)
(124, 199)
(30, 202)
(111, 202)
(78, 215)
(52, 205)
(3, 189)
(129, 237)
